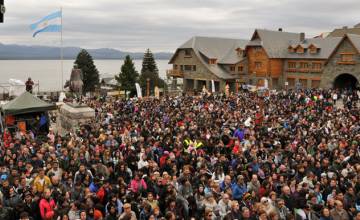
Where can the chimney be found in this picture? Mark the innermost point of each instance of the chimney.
(280, 29)
(302, 36)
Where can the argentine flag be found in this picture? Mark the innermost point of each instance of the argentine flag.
(50, 23)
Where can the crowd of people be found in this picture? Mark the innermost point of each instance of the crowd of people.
(279, 155)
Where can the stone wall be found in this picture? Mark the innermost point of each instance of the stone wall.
(333, 69)
(201, 73)
(69, 117)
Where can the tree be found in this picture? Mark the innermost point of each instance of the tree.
(90, 74)
(150, 71)
(128, 76)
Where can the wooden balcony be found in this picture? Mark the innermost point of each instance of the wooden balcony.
(316, 70)
(291, 70)
(174, 73)
(346, 62)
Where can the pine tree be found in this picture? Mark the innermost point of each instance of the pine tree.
(149, 63)
(90, 74)
(150, 71)
(128, 76)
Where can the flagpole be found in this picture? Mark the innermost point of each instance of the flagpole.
(61, 52)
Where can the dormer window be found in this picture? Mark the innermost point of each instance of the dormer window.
(313, 49)
(239, 51)
(300, 49)
(257, 49)
(291, 49)
(212, 61)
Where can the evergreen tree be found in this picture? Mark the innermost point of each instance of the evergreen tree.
(150, 71)
(90, 74)
(128, 76)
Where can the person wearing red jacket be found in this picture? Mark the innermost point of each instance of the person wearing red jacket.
(47, 206)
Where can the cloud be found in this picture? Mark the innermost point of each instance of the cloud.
(163, 25)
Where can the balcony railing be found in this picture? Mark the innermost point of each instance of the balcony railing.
(174, 73)
(350, 62)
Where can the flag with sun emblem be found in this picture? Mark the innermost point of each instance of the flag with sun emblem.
(49, 23)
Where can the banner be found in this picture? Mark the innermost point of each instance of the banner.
(138, 90)
(157, 92)
(212, 86)
(266, 84)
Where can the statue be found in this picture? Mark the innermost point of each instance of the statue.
(76, 83)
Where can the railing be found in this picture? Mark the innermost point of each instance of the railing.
(174, 73)
(346, 62)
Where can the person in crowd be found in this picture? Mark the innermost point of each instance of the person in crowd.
(210, 156)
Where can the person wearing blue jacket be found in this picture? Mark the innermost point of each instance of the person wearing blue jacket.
(239, 188)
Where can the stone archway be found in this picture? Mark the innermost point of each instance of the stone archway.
(346, 81)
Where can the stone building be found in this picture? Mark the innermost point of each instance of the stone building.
(282, 59)
(203, 59)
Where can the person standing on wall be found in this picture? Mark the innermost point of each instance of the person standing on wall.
(29, 85)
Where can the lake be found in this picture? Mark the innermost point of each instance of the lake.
(48, 72)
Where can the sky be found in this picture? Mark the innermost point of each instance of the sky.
(163, 25)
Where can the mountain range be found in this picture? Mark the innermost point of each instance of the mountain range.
(21, 52)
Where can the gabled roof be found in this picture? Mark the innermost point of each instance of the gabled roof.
(222, 49)
(342, 31)
(275, 43)
(355, 40)
(326, 47)
(26, 103)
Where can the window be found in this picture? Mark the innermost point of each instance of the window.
(182, 67)
(257, 49)
(175, 67)
(194, 68)
(313, 50)
(239, 51)
(291, 82)
(303, 83)
(212, 61)
(188, 52)
(292, 65)
(275, 82)
(300, 50)
(258, 65)
(304, 65)
(232, 68)
(317, 66)
(315, 84)
(347, 57)
(188, 67)
(291, 50)
(240, 68)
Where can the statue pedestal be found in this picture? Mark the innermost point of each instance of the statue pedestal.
(72, 115)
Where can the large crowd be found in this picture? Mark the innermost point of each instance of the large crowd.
(271, 155)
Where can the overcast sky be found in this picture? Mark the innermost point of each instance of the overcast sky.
(162, 25)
